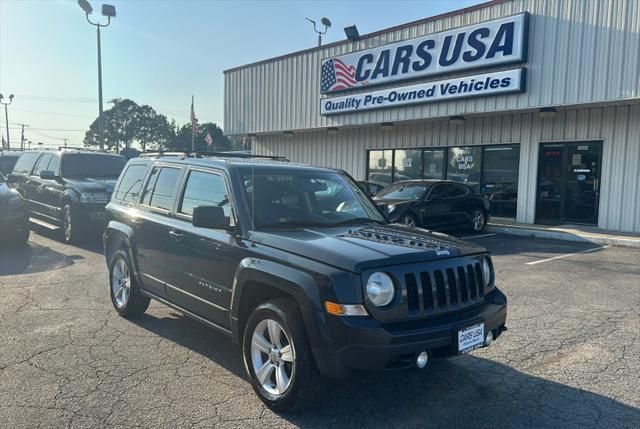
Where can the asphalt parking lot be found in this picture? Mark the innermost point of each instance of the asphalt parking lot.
(571, 356)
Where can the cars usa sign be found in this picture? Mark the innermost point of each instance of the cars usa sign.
(492, 43)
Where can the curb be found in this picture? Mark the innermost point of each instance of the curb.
(565, 236)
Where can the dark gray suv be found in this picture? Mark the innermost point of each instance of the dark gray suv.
(298, 266)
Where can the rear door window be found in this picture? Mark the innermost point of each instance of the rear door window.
(25, 163)
(161, 188)
(129, 188)
(42, 164)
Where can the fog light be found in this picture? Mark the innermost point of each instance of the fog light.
(422, 360)
(489, 339)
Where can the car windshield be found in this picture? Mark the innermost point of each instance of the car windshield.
(403, 191)
(305, 198)
(92, 165)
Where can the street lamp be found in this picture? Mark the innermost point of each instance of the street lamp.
(110, 12)
(6, 116)
(326, 22)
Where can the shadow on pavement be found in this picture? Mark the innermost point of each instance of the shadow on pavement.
(466, 391)
(92, 242)
(32, 258)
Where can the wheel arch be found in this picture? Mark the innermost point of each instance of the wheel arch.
(119, 236)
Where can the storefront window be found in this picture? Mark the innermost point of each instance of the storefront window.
(380, 166)
(500, 179)
(433, 162)
(407, 165)
(465, 166)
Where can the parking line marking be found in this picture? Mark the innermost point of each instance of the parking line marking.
(569, 254)
(477, 236)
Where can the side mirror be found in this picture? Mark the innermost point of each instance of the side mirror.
(47, 175)
(384, 208)
(211, 217)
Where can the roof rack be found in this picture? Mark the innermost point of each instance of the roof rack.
(204, 154)
(80, 148)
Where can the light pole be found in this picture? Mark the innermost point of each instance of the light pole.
(326, 22)
(110, 12)
(6, 116)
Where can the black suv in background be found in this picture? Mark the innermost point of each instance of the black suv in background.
(298, 266)
(14, 216)
(67, 189)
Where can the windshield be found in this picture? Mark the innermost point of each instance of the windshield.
(306, 198)
(404, 191)
(92, 165)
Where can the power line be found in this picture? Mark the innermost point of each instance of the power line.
(50, 129)
(54, 113)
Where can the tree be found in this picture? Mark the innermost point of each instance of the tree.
(182, 140)
(127, 123)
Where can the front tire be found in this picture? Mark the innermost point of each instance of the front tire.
(278, 357)
(409, 220)
(126, 296)
(70, 227)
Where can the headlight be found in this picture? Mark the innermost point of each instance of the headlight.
(94, 197)
(391, 207)
(380, 289)
(486, 271)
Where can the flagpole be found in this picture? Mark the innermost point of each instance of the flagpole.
(193, 137)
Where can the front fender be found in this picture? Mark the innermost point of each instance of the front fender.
(300, 285)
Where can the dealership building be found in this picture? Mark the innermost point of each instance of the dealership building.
(534, 103)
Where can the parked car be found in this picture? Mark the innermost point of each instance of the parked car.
(435, 204)
(14, 216)
(298, 266)
(370, 188)
(67, 189)
(7, 161)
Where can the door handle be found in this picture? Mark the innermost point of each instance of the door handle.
(177, 235)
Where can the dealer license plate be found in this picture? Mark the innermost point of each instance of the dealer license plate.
(471, 338)
(97, 215)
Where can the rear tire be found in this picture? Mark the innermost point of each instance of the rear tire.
(478, 220)
(124, 290)
(289, 378)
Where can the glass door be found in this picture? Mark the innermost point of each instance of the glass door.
(582, 185)
(568, 183)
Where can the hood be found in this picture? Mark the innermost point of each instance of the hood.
(357, 248)
(88, 184)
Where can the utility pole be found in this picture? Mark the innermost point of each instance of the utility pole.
(65, 142)
(6, 116)
(22, 139)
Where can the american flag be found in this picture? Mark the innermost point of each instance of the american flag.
(194, 120)
(336, 75)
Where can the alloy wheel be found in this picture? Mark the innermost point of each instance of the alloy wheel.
(67, 224)
(120, 283)
(272, 357)
(409, 221)
(478, 220)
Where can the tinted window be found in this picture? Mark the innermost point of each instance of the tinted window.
(7, 163)
(433, 164)
(464, 166)
(405, 191)
(25, 163)
(205, 189)
(92, 165)
(54, 165)
(446, 190)
(160, 190)
(380, 164)
(129, 187)
(500, 178)
(407, 165)
(42, 164)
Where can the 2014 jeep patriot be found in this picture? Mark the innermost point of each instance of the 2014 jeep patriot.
(298, 266)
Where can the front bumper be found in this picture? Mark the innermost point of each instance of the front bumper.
(90, 215)
(345, 344)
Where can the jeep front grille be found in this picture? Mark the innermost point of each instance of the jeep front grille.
(444, 290)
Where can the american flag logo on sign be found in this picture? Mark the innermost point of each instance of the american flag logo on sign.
(336, 75)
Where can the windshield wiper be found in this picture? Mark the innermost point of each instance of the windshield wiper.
(358, 220)
(294, 223)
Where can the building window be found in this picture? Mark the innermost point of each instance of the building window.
(380, 166)
(465, 166)
(433, 164)
(407, 165)
(500, 178)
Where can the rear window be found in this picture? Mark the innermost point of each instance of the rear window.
(92, 165)
(161, 188)
(7, 163)
(25, 163)
(131, 183)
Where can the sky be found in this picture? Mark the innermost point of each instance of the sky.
(159, 53)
